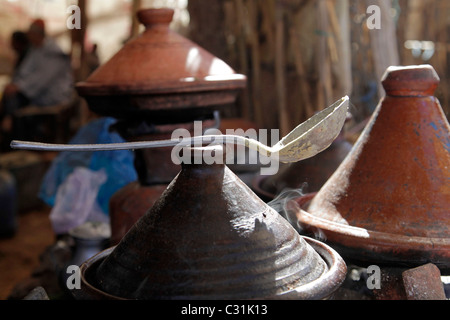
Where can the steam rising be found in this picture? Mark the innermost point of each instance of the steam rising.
(287, 207)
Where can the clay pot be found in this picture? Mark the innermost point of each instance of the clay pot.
(158, 82)
(158, 74)
(388, 202)
(307, 175)
(155, 165)
(129, 204)
(210, 237)
(155, 170)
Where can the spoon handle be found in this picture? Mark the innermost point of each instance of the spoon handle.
(196, 141)
(41, 146)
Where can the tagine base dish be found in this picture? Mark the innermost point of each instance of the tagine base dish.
(366, 247)
(321, 288)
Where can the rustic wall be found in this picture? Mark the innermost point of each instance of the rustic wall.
(301, 55)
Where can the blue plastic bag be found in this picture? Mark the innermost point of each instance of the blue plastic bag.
(118, 164)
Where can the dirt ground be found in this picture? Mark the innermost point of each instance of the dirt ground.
(19, 255)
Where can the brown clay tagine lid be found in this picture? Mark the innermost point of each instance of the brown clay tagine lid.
(159, 69)
(210, 237)
(388, 202)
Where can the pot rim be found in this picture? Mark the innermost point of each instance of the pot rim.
(198, 86)
(320, 288)
(86, 285)
(324, 286)
(359, 238)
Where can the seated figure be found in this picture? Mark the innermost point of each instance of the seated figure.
(43, 78)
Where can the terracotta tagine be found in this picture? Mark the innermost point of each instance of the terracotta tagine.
(210, 237)
(388, 202)
(158, 74)
(158, 82)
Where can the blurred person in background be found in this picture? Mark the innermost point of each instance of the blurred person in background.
(43, 77)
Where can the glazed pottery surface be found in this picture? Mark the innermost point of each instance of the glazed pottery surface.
(388, 202)
(210, 237)
(159, 73)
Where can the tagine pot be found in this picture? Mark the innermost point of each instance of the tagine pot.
(388, 202)
(160, 75)
(210, 237)
(129, 204)
(156, 83)
(155, 170)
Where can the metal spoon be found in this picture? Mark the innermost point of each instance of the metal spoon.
(306, 140)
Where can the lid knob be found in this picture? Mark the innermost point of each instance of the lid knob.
(149, 17)
(420, 80)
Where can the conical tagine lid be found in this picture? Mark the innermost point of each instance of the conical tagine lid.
(389, 201)
(151, 69)
(210, 237)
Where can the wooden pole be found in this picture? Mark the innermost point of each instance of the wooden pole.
(134, 21)
(243, 56)
(77, 43)
(383, 42)
(324, 94)
(304, 86)
(344, 65)
(252, 7)
(280, 68)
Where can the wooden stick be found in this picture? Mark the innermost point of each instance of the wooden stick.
(383, 42)
(256, 61)
(324, 67)
(280, 73)
(304, 89)
(242, 48)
